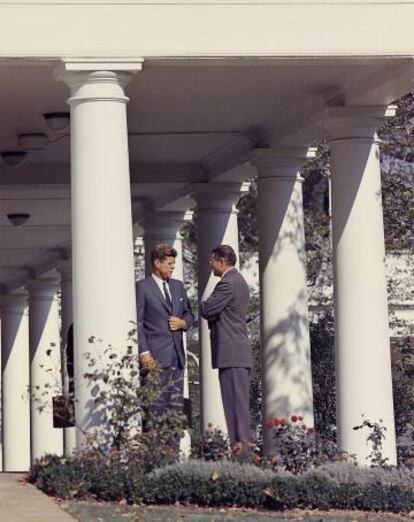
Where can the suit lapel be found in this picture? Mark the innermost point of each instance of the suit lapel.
(174, 297)
(159, 294)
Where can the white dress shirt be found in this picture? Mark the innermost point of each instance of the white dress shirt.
(160, 283)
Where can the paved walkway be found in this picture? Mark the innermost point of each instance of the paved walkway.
(22, 502)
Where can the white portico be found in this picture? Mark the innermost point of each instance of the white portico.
(172, 106)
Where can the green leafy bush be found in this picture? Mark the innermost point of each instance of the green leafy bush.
(212, 445)
(318, 492)
(343, 472)
(208, 483)
(375, 438)
(403, 373)
(131, 432)
(322, 336)
(339, 486)
(200, 470)
(60, 477)
(299, 448)
(84, 475)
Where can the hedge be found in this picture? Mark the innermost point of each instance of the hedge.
(222, 484)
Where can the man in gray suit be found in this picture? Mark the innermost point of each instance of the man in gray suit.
(163, 314)
(226, 310)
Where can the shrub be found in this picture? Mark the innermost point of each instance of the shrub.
(130, 421)
(339, 486)
(208, 483)
(60, 477)
(131, 431)
(342, 472)
(322, 337)
(85, 475)
(255, 378)
(200, 470)
(375, 438)
(318, 492)
(405, 445)
(298, 448)
(212, 445)
(403, 372)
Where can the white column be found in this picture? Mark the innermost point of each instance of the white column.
(285, 344)
(164, 227)
(216, 224)
(363, 362)
(65, 270)
(102, 239)
(45, 365)
(15, 382)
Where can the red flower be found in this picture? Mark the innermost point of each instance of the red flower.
(282, 421)
(294, 418)
(300, 418)
(210, 425)
(304, 426)
(271, 423)
(311, 430)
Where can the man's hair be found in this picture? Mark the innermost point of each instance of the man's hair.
(161, 252)
(226, 253)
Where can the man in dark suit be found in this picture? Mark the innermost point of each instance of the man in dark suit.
(226, 310)
(163, 314)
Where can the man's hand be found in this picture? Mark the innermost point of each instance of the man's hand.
(147, 361)
(175, 323)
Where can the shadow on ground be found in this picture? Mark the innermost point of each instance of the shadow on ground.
(94, 512)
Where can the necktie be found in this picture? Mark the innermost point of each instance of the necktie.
(167, 294)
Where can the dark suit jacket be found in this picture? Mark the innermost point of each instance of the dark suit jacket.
(153, 312)
(226, 311)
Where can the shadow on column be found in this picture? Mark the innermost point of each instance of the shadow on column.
(284, 342)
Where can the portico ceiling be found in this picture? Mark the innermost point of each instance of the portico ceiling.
(190, 121)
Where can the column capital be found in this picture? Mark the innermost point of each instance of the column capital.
(97, 80)
(216, 196)
(64, 267)
(281, 163)
(13, 303)
(42, 288)
(162, 223)
(356, 122)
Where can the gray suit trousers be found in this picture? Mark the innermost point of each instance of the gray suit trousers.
(235, 386)
(171, 397)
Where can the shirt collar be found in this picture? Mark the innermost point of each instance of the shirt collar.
(158, 280)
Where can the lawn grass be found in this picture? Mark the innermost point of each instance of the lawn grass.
(84, 511)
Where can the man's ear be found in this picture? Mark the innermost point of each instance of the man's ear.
(156, 263)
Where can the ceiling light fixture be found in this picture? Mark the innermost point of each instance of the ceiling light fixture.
(57, 121)
(18, 219)
(33, 141)
(13, 158)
